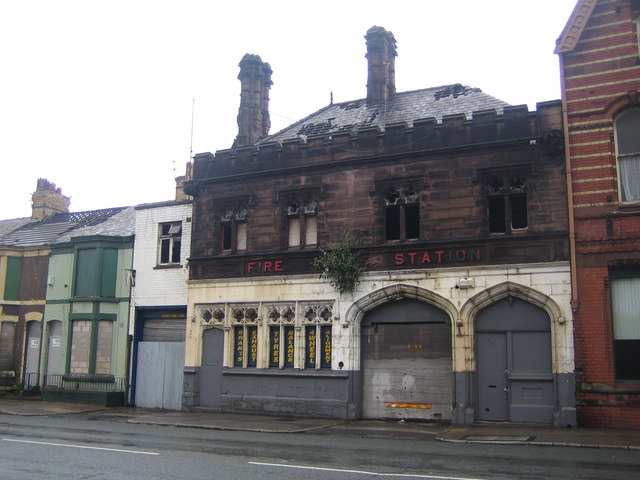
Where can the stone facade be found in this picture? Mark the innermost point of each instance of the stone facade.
(454, 214)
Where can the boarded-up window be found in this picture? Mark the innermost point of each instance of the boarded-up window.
(96, 271)
(7, 336)
(12, 279)
(80, 347)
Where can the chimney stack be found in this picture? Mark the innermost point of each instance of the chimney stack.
(48, 200)
(181, 180)
(381, 59)
(253, 117)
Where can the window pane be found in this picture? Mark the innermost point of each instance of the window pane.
(226, 237)
(274, 346)
(109, 271)
(630, 178)
(519, 211)
(625, 306)
(252, 333)
(289, 335)
(175, 228)
(311, 230)
(311, 347)
(241, 233)
(325, 359)
(412, 221)
(628, 132)
(294, 231)
(392, 223)
(165, 245)
(238, 346)
(80, 346)
(496, 214)
(103, 352)
(86, 272)
(175, 251)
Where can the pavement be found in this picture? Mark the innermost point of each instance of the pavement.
(489, 433)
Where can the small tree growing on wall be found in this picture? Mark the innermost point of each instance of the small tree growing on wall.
(342, 265)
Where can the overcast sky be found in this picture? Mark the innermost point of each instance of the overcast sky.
(97, 96)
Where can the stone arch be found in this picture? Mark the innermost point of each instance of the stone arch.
(386, 294)
(395, 292)
(503, 290)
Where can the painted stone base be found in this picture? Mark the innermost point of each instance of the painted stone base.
(108, 399)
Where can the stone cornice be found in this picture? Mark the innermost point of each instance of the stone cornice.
(574, 27)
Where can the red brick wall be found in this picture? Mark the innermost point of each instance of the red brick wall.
(601, 78)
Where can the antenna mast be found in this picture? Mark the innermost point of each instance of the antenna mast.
(193, 107)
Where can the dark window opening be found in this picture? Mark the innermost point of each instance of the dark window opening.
(392, 224)
(518, 211)
(227, 230)
(507, 205)
(497, 214)
(412, 222)
(402, 214)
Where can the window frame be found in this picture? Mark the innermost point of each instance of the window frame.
(171, 239)
(233, 228)
(625, 157)
(504, 188)
(401, 199)
(619, 352)
(252, 325)
(302, 210)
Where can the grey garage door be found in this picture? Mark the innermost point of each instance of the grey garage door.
(515, 379)
(160, 363)
(406, 361)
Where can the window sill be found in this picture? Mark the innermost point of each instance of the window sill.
(167, 266)
(284, 373)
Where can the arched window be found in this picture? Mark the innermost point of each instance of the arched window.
(627, 130)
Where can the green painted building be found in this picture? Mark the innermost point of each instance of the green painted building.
(85, 337)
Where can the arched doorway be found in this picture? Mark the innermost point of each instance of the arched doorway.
(406, 361)
(515, 380)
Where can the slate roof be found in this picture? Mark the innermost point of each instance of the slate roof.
(407, 107)
(62, 226)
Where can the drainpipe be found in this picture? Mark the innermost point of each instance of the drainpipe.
(569, 178)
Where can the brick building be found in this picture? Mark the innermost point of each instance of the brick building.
(600, 71)
(159, 300)
(456, 204)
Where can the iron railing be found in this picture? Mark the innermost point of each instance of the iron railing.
(91, 383)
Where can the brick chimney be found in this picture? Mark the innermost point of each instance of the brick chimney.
(48, 200)
(381, 59)
(253, 117)
(181, 180)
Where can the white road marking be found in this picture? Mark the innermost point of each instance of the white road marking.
(80, 446)
(363, 472)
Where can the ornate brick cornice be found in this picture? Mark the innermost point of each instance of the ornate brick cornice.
(574, 27)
